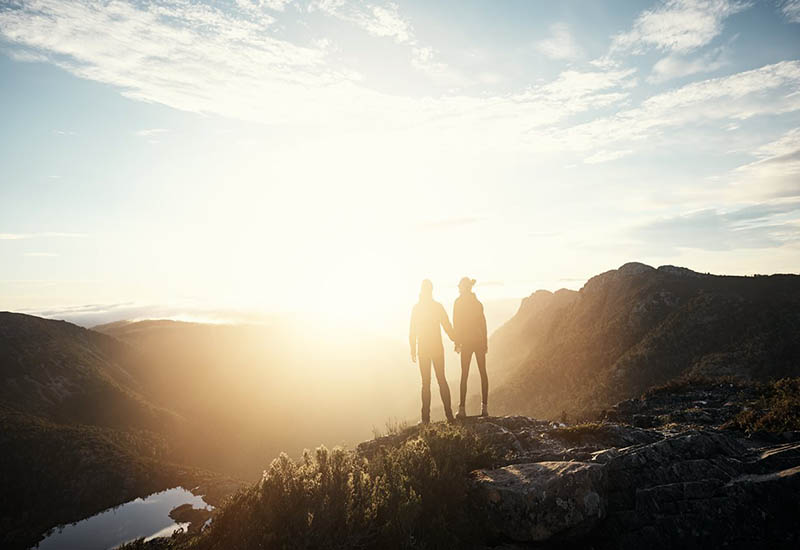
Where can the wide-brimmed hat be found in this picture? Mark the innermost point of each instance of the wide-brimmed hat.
(466, 283)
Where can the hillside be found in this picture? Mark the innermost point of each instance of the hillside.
(698, 477)
(636, 327)
(78, 431)
(67, 374)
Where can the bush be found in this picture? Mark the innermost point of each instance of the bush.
(777, 409)
(412, 495)
(692, 382)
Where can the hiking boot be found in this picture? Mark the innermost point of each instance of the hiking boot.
(450, 418)
(484, 410)
(462, 413)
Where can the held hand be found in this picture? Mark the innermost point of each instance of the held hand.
(457, 348)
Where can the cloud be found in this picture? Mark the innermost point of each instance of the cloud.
(424, 59)
(577, 91)
(197, 58)
(188, 56)
(376, 20)
(65, 133)
(607, 156)
(151, 132)
(560, 44)
(19, 236)
(255, 5)
(775, 173)
(386, 21)
(764, 225)
(768, 90)
(450, 223)
(677, 66)
(91, 315)
(677, 26)
(790, 9)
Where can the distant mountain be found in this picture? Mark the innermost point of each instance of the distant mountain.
(636, 327)
(64, 373)
(77, 431)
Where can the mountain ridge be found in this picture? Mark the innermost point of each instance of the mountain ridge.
(637, 326)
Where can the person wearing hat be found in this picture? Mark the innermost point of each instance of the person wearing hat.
(425, 337)
(469, 324)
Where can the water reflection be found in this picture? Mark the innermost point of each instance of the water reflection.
(148, 517)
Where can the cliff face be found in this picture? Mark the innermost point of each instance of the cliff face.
(636, 327)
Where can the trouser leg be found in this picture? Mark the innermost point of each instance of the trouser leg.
(466, 358)
(480, 357)
(425, 371)
(444, 389)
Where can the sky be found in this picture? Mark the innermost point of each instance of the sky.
(189, 158)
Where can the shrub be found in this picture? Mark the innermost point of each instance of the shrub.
(412, 495)
(776, 410)
(692, 382)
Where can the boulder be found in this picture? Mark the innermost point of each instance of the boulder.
(539, 501)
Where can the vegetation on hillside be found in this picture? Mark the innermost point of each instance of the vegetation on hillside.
(776, 410)
(408, 495)
(54, 474)
(636, 327)
(692, 382)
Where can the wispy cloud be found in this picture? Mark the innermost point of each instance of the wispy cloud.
(150, 132)
(678, 26)
(763, 225)
(65, 133)
(607, 156)
(677, 66)
(425, 59)
(775, 173)
(560, 45)
(256, 5)
(376, 20)
(185, 55)
(790, 9)
(47, 234)
(198, 58)
(450, 223)
(90, 315)
(768, 90)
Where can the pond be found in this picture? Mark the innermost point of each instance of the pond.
(147, 517)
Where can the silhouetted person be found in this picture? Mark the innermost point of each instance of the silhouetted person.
(425, 338)
(469, 324)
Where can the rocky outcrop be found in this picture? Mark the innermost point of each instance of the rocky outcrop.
(195, 517)
(540, 500)
(612, 485)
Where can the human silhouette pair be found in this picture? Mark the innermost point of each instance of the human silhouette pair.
(468, 332)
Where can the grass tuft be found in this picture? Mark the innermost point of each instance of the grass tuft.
(776, 410)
